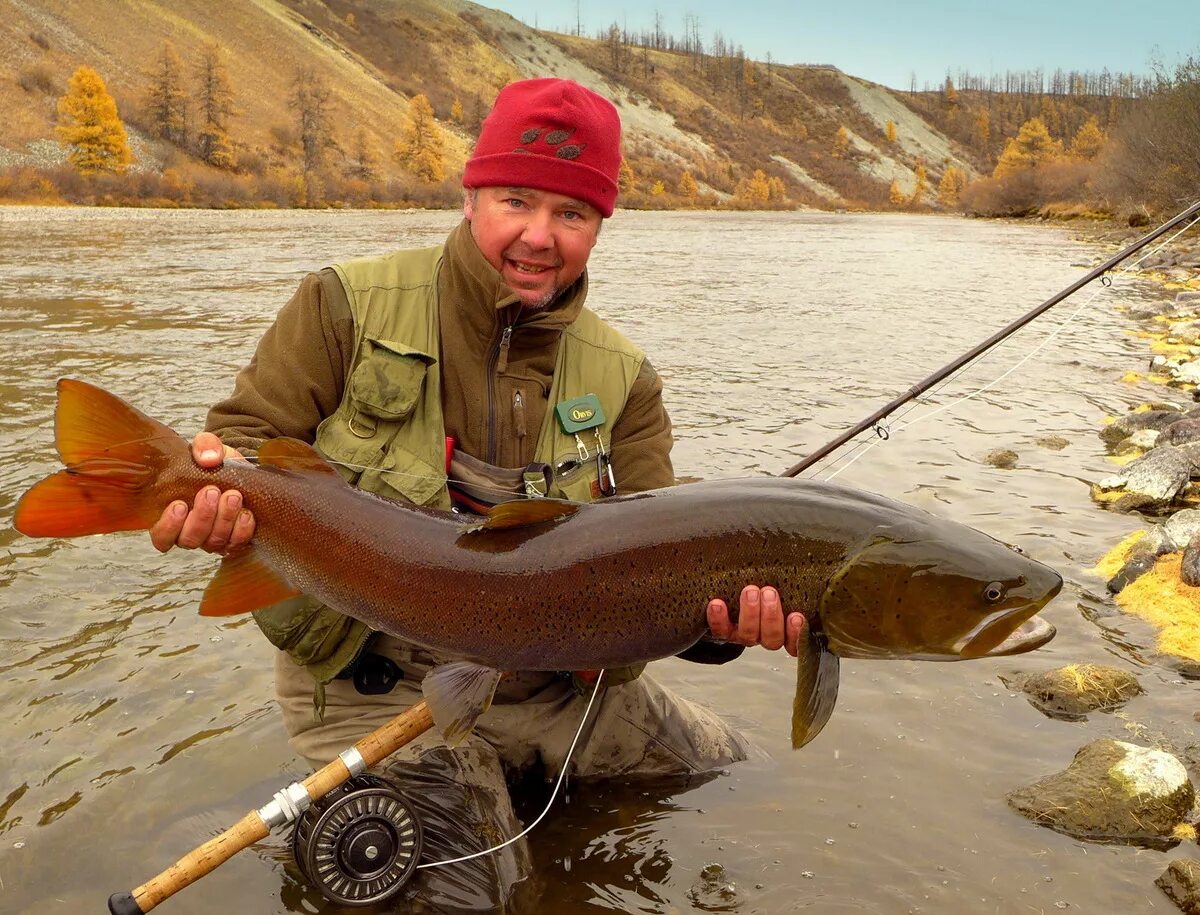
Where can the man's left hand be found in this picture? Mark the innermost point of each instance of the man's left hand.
(761, 621)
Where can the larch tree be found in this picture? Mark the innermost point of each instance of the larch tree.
(950, 188)
(366, 161)
(456, 111)
(1088, 141)
(889, 131)
(1031, 147)
(688, 189)
(983, 129)
(312, 101)
(421, 149)
(90, 126)
(949, 93)
(626, 177)
(895, 195)
(214, 101)
(922, 185)
(841, 142)
(659, 189)
(167, 100)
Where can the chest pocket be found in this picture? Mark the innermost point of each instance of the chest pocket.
(384, 390)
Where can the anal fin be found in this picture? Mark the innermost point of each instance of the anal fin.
(243, 583)
(457, 694)
(817, 678)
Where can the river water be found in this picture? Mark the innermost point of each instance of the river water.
(134, 729)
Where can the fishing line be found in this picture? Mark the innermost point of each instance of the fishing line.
(884, 430)
(553, 794)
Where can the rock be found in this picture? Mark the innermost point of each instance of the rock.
(1134, 568)
(713, 891)
(1181, 432)
(1177, 274)
(1145, 311)
(1188, 332)
(1112, 792)
(1181, 528)
(1185, 372)
(1181, 882)
(1142, 440)
(1053, 442)
(1189, 569)
(1124, 426)
(1187, 298)
(1069, 693)
(1154, 480)
(1002, 458)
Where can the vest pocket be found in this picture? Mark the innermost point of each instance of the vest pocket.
(386, 384)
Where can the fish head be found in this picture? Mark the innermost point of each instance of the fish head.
(930, 589)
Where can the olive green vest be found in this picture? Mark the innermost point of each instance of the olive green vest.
(387, 435)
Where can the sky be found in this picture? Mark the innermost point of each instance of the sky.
(887, 41)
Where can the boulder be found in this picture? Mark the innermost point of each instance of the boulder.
(1189, 569)
(1185, 372)
(1181, 882)
(1153, 481)
(1069, 693)
(1181, 528)
(1181, 432)
(1124, 426)
(1113, 791)
(1145, 311)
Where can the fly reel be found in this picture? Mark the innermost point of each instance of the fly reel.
(359, 844)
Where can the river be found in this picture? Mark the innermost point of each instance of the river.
(136, 729)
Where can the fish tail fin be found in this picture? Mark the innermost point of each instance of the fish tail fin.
(112, 454)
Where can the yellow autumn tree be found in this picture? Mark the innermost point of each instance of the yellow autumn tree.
(756, 189)
(950, 188)
(456, 111)
(841, 142)
(421, 149)
(983, 129)
(659, 189)
(949, 93)
(1031, 147)
(922, 184)
(90, 126)
(626, 178)
(889, 131)
(896, 196)
(688, 188)
(1088, 141)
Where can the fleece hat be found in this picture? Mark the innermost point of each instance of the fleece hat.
(553, 135)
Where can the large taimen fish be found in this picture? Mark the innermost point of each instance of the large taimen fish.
(551, 585)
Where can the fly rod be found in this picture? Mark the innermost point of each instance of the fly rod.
(975, 352)
(285, 808)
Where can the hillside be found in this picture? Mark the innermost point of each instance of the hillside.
(819, 133)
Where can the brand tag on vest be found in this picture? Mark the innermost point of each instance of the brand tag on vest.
(579, 414)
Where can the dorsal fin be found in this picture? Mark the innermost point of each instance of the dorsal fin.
(293, 454)
(523, 512)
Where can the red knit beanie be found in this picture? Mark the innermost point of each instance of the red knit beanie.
(553, 135)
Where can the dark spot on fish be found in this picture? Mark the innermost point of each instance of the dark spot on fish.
(555, 137)
(530, 135)
(568, 152)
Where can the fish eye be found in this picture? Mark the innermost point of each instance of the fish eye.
(993, 592)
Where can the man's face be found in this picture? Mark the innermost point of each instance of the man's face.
(539, 241)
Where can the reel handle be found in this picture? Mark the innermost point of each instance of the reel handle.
(199, 862)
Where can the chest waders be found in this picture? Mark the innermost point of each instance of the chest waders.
(387, 435)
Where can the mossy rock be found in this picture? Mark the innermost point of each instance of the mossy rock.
(1181, 882)
(1070, 692)
(1113, 792)
(1003, 458)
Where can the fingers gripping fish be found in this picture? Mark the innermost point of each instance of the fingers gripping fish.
(875, 578)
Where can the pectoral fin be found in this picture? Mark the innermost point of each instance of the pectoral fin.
(244, 583)
(457, 694)
(816, 689)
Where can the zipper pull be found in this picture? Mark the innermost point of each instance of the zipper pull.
(519, 414)
(505, 340)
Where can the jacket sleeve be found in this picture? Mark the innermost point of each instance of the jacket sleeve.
(298, 371)
(641, 437)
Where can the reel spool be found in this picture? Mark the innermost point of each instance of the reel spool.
(359, 844)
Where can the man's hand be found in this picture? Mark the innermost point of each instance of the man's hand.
(216, 521)
(761, 621)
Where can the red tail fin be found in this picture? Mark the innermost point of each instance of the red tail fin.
(113, 453)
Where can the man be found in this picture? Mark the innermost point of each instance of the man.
(389, 365)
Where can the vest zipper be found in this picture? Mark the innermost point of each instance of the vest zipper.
(519, 414)
(497, 363)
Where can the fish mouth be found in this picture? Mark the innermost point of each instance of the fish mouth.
(1014, 633)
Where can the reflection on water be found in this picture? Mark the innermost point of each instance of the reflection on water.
(136, 729)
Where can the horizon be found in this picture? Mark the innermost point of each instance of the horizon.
(1020, 35)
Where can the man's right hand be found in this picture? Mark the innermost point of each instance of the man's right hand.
(216, 521)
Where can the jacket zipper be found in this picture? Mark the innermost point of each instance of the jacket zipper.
(496, 359)
(519, 414)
